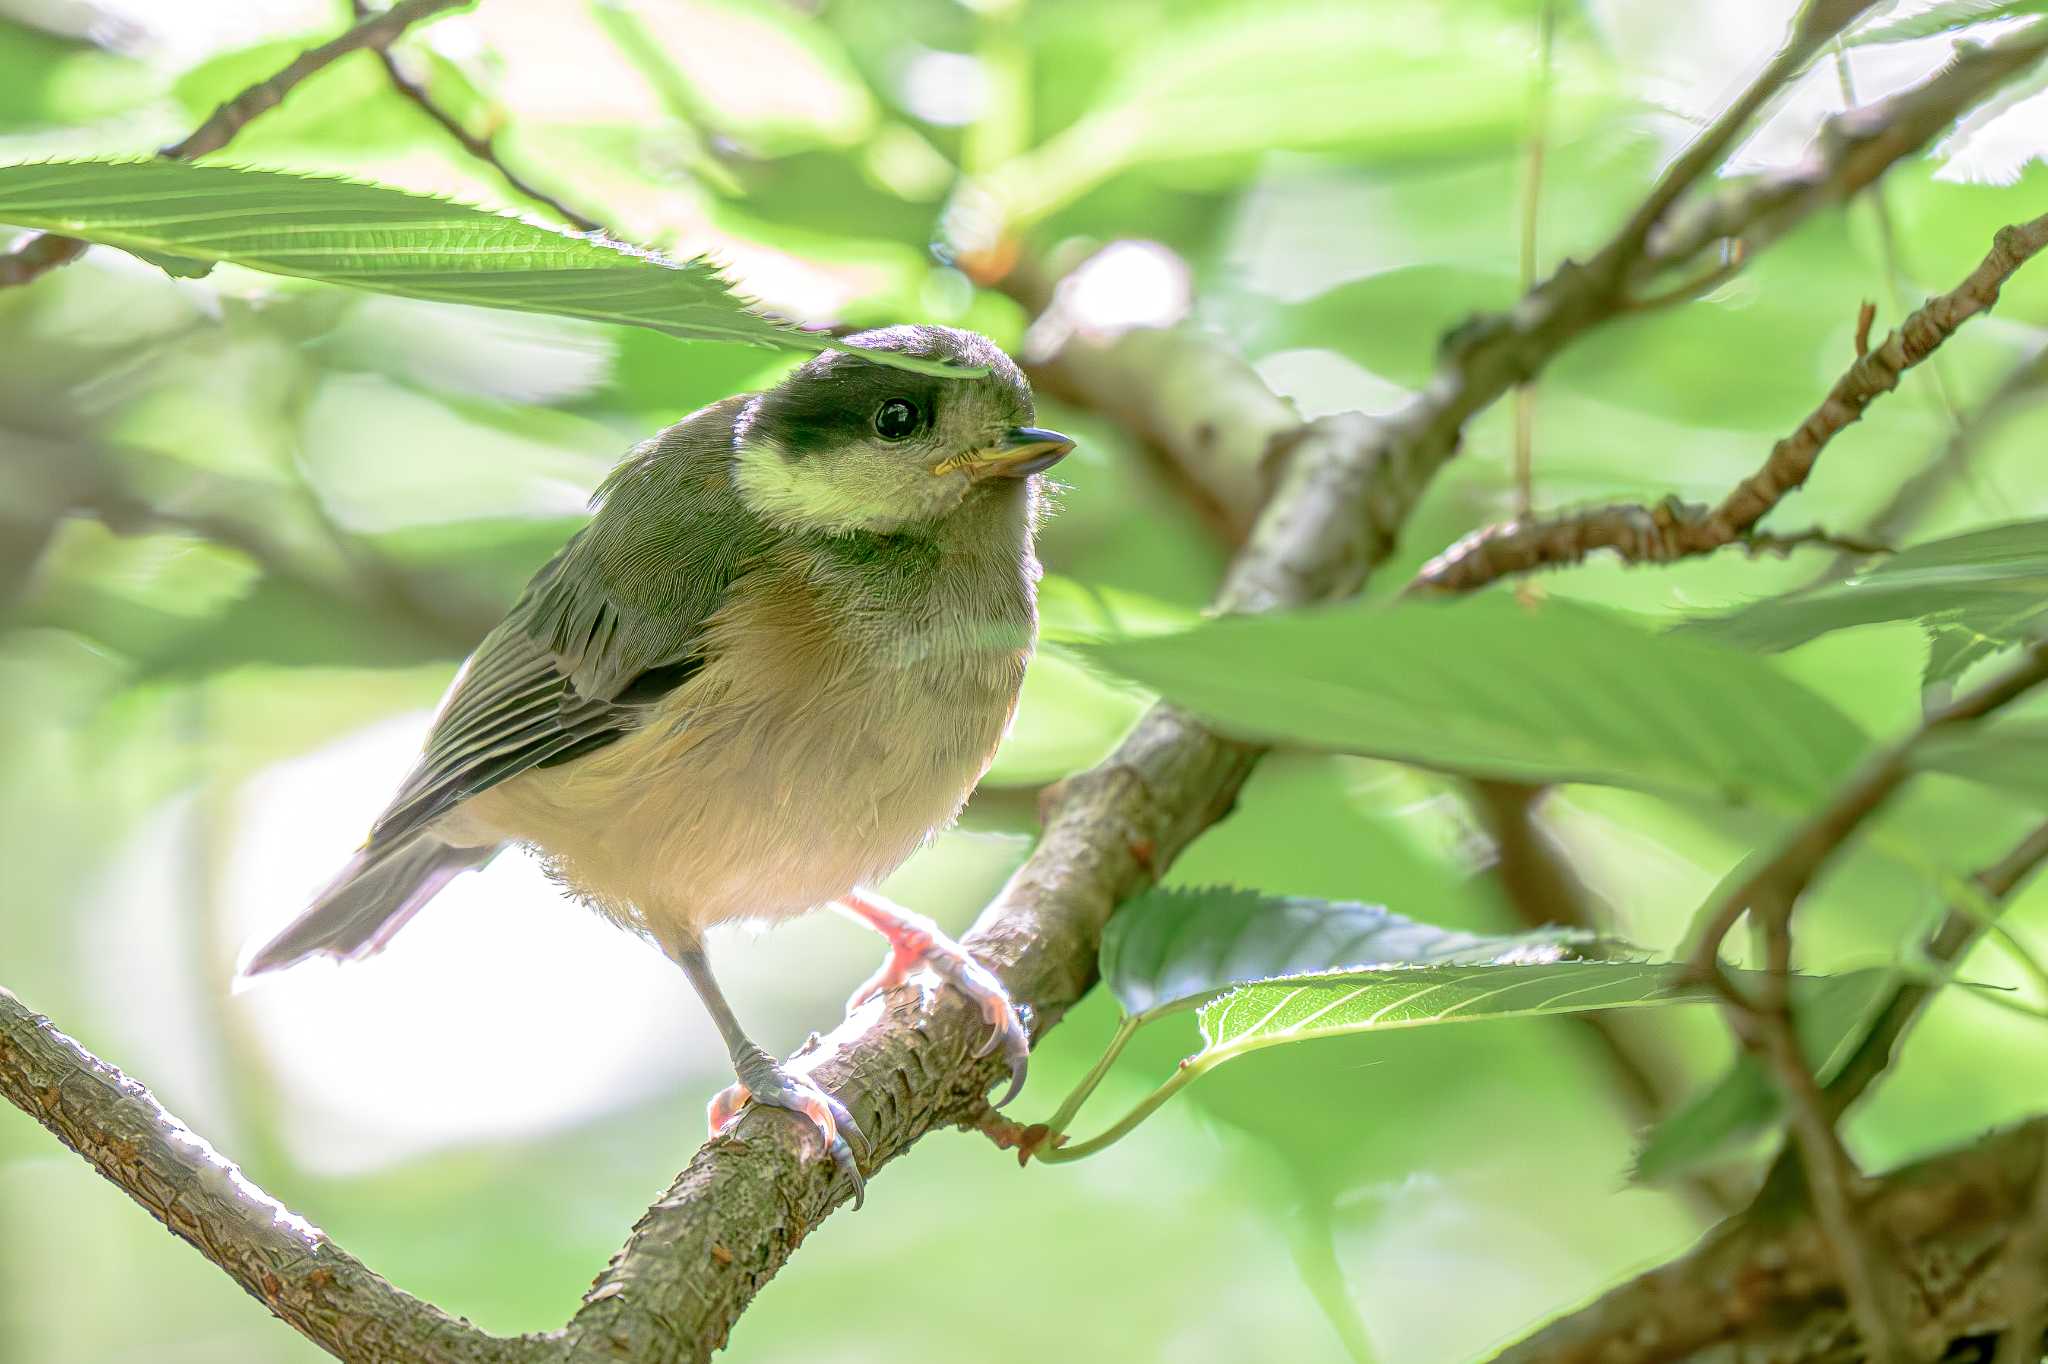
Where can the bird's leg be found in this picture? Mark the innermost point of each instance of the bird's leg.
(915, 941)
(763, 1080)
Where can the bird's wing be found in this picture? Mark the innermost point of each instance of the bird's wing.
(610, 625)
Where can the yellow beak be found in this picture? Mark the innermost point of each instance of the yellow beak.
(1024, 450)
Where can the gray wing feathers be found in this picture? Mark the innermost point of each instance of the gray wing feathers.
(624, 603)
(368, 902)
(626, 597)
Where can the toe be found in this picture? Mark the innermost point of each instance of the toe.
(725, 1106)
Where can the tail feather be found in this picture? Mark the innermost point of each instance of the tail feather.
(371, 899)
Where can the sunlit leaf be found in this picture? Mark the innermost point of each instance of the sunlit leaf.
(387, 241)
(1173, 949)
(1561, 692)
(1945, 17)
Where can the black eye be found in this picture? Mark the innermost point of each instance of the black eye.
(896, 419)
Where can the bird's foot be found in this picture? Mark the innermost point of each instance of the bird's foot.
(763, 1081)
(915, 943)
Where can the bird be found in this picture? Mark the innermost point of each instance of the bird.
(775, 661)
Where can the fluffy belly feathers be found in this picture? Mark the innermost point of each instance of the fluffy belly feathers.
(794, 766)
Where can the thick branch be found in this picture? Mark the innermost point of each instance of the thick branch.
(1675, 530)
(748, 1198)
(43, 252)
(281, 1259)
(1764, 1286)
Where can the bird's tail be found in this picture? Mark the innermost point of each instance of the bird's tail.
(369, 901)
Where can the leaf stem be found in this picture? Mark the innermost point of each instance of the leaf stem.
(1125, 1030)
(1180, 1079)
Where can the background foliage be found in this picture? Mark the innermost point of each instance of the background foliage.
(250, 524)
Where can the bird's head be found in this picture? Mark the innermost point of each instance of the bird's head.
(845, 444)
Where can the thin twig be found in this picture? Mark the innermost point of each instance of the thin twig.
(1675, 530)
(1784, 877)
(1767, 1029)
(1734, 255)
(483, 149)
(375, 32)
(1540, 885)
(1888, 248)
(43, 252)
(1532, 204)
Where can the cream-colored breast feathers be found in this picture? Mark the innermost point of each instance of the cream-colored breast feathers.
(801, 760)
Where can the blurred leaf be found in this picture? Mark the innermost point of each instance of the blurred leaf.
(1223, 88)
(1175, 948)
(1557, 693)
(1945, 17)
(387, 241)
(762, 73)
(45, 78)
(1715, 1124)
(1982, 588)
(2011, 755)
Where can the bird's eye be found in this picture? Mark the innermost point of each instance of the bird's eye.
(896, 419)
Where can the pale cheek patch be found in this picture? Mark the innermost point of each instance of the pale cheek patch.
(852, 493)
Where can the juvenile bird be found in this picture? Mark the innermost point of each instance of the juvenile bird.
(778, 657)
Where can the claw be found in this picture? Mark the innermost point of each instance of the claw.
(916, 942)
(776, 1087)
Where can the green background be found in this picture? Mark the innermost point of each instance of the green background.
(250, 525)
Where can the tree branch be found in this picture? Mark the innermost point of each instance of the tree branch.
(43, 252)
(749, 1197)
(1676, 530)
(1764, 1285)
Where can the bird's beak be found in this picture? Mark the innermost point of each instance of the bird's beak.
(1023, 450)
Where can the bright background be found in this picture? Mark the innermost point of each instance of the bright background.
(249, 526)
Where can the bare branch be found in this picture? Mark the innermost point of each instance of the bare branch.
(283, 1261)
(1676, 530)
(483, 149)
(1764, 1285)
(43, 252)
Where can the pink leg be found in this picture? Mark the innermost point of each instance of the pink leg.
(916, 942)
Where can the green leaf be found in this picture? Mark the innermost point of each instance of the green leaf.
(1989, 584)
(1833, 1013)
(1301, 1008)
(2011, 755)
(388, 241)
(1486, 686)
(1330, 1004)
(1945, 17)
(1175, 949)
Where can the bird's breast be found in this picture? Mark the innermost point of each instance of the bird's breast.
(814, 751)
